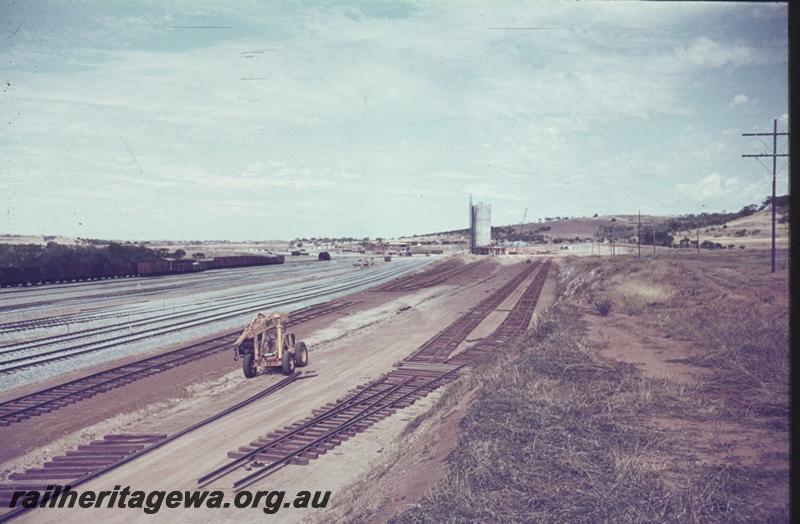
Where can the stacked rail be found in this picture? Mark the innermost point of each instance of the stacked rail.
(91, 460)
(311, 437)
(438, 348)
(334, 423)
(326, 427)
(431, 277)
(512, 327)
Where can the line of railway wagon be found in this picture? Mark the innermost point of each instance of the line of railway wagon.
(52, 273)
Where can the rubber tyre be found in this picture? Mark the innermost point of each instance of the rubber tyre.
(287, 363)
(300, 355)
(247, 366)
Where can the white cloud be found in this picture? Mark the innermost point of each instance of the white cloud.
(489, 192)
(714, 187)
(356, 106)
(705, 52)
(739, 100)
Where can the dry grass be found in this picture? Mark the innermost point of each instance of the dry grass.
(730, 309)
(560, 435)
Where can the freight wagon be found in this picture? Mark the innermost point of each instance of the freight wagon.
(183, 266)
(49, 273)
(153, 267)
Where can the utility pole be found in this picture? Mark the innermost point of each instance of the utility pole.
(697, 223)
(698, 230)
(612, 239)
(774, 156)
(654, 236)
(639, 236)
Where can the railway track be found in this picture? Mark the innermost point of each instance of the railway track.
(142, 286)
(431, 277)
(305, 440)
(513, 326)
(364, 406)
(190, 311)
(98, 457)
(54, 398)
(317, 434)
(138, 291)
(19, 363)
(438, 348)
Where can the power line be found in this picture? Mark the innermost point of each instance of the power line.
(774, 155)
(131, 153)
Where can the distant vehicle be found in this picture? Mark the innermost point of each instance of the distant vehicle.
(324, 255)
(387, 259)
(295, 253)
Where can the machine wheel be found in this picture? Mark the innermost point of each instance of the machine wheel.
(287, 363)
(247, 365)
(301, 355)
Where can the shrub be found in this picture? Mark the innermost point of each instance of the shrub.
(603, 307)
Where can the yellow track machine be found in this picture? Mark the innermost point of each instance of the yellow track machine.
(265, 343)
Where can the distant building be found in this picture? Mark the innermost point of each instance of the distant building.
(480, 226)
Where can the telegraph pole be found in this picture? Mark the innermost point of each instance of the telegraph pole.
(654, 236)
(612, 239)
(639, 236)
(697, 223)
(698, 230)
(774, 156)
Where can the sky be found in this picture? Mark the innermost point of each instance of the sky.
(253, 120)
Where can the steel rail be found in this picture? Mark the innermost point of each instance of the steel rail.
(450, 337)
(213, 418)
(515, 324)
(336, 410)
(367, 412)
(228, 301)
(134, 370)
(48, 322)
(238, 274)
(145, 334)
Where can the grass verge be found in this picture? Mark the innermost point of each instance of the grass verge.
(558, 434)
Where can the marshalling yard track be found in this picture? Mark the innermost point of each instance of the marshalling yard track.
(428, 368)
(56, 397)
(27, 354)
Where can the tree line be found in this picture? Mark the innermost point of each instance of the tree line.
(16, 255)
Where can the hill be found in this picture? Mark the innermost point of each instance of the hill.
(750, 226)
